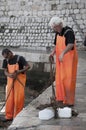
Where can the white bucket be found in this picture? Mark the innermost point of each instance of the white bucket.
(46, 114)
(65, 112)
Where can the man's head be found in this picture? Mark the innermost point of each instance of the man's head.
(56, 24)
(7, 54)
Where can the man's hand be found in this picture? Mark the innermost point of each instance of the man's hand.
(12, 75)
(61, 57)
(51, 58)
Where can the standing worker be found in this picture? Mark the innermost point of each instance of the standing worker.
(66, 62)
(15, 68)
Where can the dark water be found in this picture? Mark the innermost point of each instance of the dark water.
(35, 79)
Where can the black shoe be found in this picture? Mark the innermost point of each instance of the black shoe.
(71, 105)
(67, 105)
(3, 119)
(74, 112)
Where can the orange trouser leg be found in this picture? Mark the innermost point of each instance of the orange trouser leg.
(9, 107)
(65, 72)
(66, 79)
(59, 84)
(19, 94)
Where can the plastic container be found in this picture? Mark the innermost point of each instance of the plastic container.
(65, 112)
(46, 114)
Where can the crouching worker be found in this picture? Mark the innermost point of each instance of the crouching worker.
(15, 68)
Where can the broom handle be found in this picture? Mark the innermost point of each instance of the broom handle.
(51, 76)
(53, 89)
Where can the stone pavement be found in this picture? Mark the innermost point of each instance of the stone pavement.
(28, 119)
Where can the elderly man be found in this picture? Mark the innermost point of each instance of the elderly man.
(66, 62)
(15, 68)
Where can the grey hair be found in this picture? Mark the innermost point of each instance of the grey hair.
(55, 21)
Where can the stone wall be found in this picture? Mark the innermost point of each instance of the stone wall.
(27, 31)
(24, 23)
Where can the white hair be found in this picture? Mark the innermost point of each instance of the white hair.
(55, 21)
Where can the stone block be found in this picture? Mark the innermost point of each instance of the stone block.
(76, 11)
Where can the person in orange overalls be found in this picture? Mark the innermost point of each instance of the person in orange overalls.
(66, 62)
(15, 68)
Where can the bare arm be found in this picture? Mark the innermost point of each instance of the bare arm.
(13, 75)
(67, 49)
(24, 69)
(7, 73)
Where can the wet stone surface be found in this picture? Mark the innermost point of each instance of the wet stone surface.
(28, 118)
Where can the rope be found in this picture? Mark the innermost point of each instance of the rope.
(53, 98)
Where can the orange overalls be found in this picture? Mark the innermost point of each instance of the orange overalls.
(65, 73)
(15, 101)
